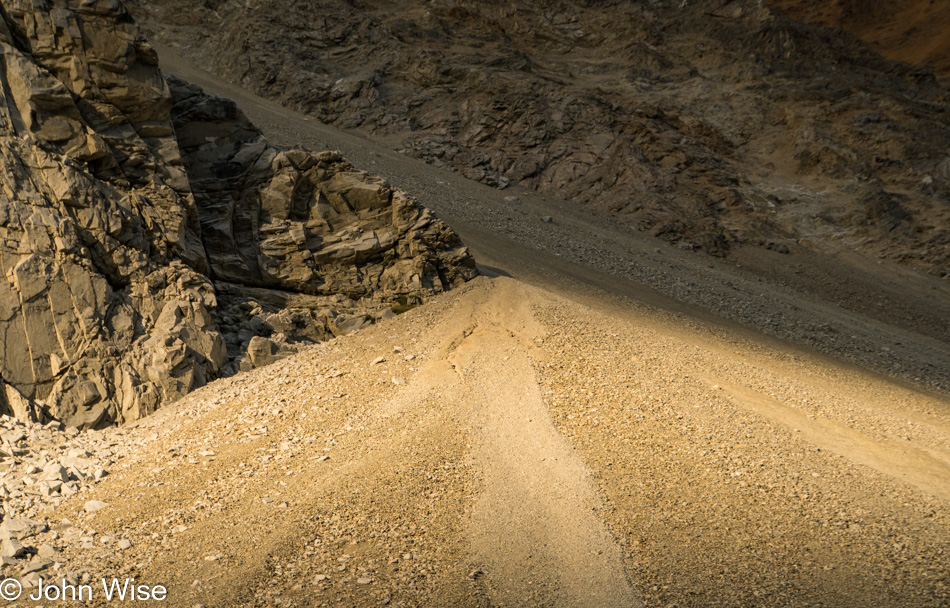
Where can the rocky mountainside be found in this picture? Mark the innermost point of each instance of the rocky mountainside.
(151, 239)
(301, 246)
(605, 421)
(707, 123)
(907, 30)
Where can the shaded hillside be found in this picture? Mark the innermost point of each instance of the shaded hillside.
(916, 31)
(703, 123)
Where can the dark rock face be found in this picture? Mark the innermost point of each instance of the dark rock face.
(303, 222)
(300, 241)
(108, 267)
(706, 123)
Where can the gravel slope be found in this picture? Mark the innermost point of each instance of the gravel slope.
(608, 425)
(519, 448)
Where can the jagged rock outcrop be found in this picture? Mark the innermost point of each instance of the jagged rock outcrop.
(105, 310)
(344, 243)
(302, 221)
(108, 303)
(707, 123)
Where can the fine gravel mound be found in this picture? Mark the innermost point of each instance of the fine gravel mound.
(710, 124)
(505, 446)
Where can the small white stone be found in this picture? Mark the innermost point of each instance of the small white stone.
(92, 506)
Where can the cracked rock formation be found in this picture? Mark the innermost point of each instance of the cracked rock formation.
(129, 277)
(303, 233)
(914, 31)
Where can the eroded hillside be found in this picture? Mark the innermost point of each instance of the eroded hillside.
(907, 30)
(604, 421)
(708, 124)
(506, 446)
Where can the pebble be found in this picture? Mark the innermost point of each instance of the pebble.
(92, 506)
(47, 551)
(20, 528)
(11, 547)
(37, 565)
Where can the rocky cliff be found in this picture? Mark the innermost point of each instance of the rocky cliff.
(302, 246)
(708, 123)
(151, 240)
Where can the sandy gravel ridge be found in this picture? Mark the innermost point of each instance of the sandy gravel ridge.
(518, 448)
